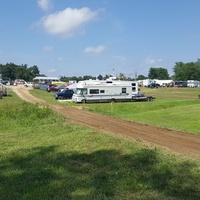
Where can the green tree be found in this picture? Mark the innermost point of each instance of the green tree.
(187, 71)
(178, 71)
(152, 73)
(141, 77)
(8, 71)
(11, 71)
(100, 77)
(158, 73)
(106, 77)
(87, 77)
(33, 72)
(122, 76)
(21, 72)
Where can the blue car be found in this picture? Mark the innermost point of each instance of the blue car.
(65, 94)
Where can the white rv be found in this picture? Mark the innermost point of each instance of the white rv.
(192, 83)
(104, 91)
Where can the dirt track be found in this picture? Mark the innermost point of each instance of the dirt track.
(177, 142)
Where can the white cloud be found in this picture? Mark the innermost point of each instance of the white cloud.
(152, 61)
(45, 4)
(68, 22)
(48, 48)
(97, 49)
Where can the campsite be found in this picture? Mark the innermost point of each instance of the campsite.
(80, 162)
(100, 100)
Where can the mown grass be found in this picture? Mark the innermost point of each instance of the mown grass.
(172, 92)
(43, 94)
(173, 108)
(46, 157)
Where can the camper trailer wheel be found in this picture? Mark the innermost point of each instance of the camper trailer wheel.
(112, 100)
(149, 99)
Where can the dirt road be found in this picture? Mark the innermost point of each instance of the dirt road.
(177, 142)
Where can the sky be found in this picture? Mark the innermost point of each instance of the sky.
(99, 37)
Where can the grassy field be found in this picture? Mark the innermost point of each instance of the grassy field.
(43, 156)
(173, 108)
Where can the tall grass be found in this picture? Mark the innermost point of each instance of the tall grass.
(58, 160)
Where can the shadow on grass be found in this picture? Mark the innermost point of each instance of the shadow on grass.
(43, 173)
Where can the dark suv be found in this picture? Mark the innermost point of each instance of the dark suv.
(154, 85)
(65, 94)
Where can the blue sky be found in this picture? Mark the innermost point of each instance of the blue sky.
(93, 37)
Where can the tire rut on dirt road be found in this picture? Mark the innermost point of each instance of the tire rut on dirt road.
(177, 142)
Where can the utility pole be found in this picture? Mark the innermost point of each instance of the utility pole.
(135, 75)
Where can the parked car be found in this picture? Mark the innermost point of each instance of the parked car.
(61, 88)
(52, 88)
(153, 85)
(142, 97)
(65, 94)
(180, 84)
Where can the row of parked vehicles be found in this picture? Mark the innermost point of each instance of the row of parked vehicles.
(189, 83)
(60, 92)
(55, 88)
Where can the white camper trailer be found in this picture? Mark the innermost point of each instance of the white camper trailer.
(104, 91)
(192, 83)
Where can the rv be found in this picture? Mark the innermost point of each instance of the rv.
(104, 91)
(192, 83)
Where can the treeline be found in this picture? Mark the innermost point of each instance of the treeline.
(187, 71)
(182, 72)
(87, 77)
(11, 72)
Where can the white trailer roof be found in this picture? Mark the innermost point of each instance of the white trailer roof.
(45, 78)
(104, 83)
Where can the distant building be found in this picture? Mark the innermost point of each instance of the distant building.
(165, 83)
(45, 79)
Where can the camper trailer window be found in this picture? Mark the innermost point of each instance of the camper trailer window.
(94, 91)
(81, 91)
(123, 90)
(133, 89)
(102, 91)
(84, 91)
(133, 84)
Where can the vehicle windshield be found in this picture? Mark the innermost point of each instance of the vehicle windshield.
(81, 91)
